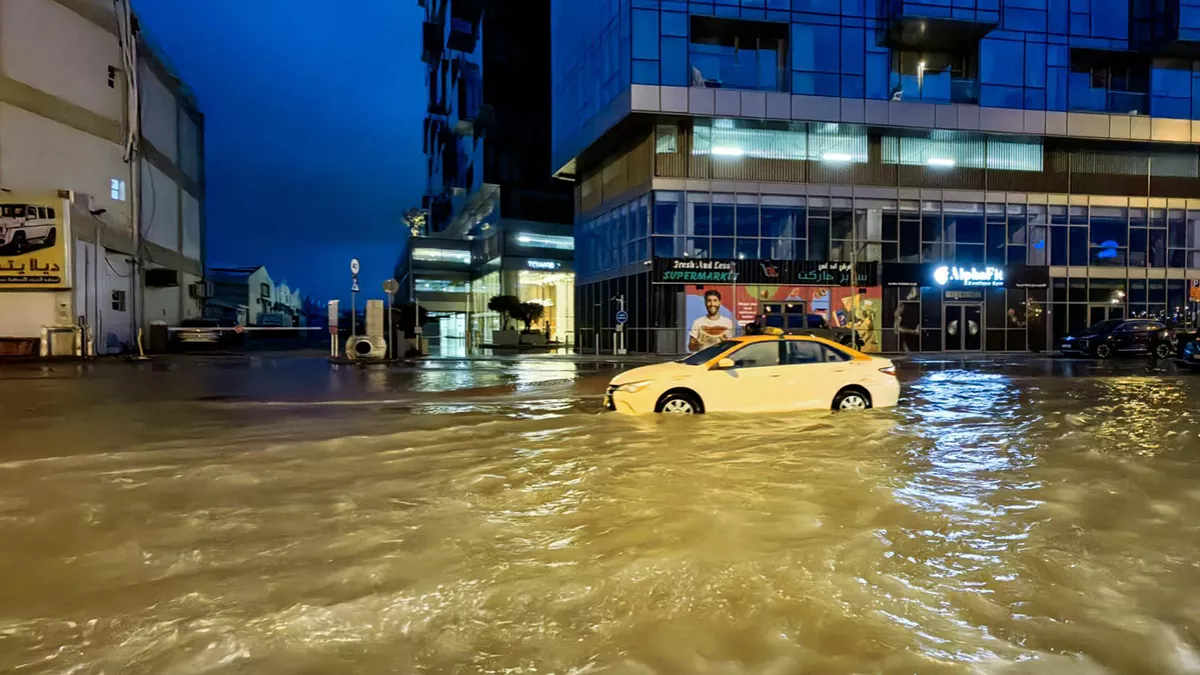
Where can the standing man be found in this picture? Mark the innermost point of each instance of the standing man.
(713, 328)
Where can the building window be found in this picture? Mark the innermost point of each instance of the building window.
(441, 255)
(934, 76)
(442, 286)
(118, 301)
(558, 243)
(1103, 81)
(117, 189)
(734, 54)
(666, 141)
(112, 77)
(265, 290)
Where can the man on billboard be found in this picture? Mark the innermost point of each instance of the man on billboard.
(712, 328)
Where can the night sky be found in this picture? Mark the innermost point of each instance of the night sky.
(313, 113)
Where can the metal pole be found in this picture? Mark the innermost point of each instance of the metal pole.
(391, 336)
(353, 314)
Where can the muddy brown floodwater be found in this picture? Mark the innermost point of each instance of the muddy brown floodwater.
(246, 520)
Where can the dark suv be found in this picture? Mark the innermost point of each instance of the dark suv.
(1121, 336)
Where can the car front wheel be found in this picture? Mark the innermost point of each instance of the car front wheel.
(851, 399)
(679, 403)
(1103, 351)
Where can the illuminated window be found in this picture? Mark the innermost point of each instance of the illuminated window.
(441, 255)
(557, 243)
(117, 189)
(442, 286)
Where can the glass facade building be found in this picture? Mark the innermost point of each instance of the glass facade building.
(1052, 144)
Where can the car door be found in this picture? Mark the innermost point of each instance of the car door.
(754, 384)
(1124, 337)
(815, 373)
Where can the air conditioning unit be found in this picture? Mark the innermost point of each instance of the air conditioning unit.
(364, 348)
(201, 289)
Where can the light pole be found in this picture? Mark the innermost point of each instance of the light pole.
(390, 286)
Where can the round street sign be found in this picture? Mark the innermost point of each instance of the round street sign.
(354, 266)
(390, 286)
(622, 316)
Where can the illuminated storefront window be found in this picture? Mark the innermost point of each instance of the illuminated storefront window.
(556, 292)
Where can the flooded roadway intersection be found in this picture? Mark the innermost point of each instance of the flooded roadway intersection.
(266, 516)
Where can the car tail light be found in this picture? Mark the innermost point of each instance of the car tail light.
(890, 370)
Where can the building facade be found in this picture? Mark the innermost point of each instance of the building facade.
(250, 297)
(975, 175)
(124, 192)
(497, 221)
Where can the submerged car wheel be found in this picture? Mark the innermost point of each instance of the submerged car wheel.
(679, 403)
(1163, 350)
(1103, 351)
(851, 399)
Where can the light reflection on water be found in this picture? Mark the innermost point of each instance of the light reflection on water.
(993, 523)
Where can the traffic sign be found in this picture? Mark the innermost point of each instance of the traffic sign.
(390, 286)
(354, 266)
(354, 286)
(622, 317)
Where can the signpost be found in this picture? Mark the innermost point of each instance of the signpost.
(390, 286)
(333, 328)
(622, 317)
(354, 267)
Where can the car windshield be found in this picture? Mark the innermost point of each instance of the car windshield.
(1105, 326)
(708, 353)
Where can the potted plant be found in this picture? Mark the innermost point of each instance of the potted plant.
(509, 308)
(530, 313)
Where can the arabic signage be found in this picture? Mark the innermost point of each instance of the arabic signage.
(964, 276)
(774, 272)
(33, 243)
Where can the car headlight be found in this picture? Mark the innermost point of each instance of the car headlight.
(633, 387)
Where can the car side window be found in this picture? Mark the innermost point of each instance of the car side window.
(801, 352)
(833, 355)
(757, 355)
(1126, 328)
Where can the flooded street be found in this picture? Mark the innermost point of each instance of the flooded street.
(267, 516)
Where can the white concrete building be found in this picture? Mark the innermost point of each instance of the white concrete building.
(65, 85)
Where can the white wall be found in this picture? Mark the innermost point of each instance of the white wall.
(191, 226)
(160, 115)
(192, 307)
(162, 304)
(23, 314)
(256, 281)
(51, 48)
(38, 155)
(160, 208)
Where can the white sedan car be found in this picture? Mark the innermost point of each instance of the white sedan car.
(764, 373)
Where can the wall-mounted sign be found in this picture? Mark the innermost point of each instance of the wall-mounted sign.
(960, 276)
(545, 265)
(954, 275)
(694, 271)
(34, 241)
(765, 272)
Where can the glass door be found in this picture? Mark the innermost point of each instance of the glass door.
(962, 328)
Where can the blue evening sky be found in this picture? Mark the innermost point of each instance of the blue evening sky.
(313, 112)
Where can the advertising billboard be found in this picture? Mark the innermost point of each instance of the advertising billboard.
(33, 243)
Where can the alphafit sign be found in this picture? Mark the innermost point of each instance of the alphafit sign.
(968, 277)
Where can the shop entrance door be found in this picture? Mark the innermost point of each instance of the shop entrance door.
(962, 327)
(1098, 313)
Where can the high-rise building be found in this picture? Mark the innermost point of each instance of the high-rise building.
(102, 178)
(961, 176)
(497, 221)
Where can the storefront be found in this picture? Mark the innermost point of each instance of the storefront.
(715, 299)
(964, 308)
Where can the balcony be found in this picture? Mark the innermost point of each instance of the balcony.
(465, 18)
(936, 25)
(432, 46)
(1109, 82)
(1166, 27)
(736, 54)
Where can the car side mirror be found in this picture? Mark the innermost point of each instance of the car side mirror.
(725, 364)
